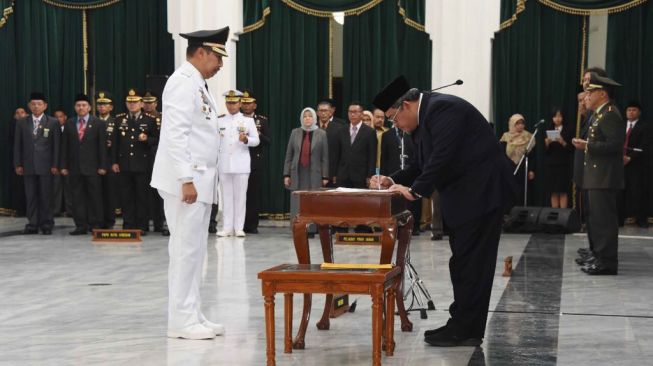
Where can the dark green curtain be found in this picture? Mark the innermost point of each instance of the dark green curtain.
(629, 56)
(285, 62)
(8, 103)
(589, 4)
(129, 40)
(378, 46)
(333, 5)
(536, 66)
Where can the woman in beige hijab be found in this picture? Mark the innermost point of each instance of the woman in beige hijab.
(516, 140)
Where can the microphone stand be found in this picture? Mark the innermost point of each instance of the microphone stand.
(524, 159)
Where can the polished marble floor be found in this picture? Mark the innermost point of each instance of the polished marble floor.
(66, 301)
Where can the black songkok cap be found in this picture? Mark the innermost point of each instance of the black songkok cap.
(387, 97)
(38, 96)
(216, 39)
(82, 98)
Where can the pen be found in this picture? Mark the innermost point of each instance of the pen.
(378, 178)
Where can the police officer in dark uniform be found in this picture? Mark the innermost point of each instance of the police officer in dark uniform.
(257, 155)
(603, 174)
(110, 183)
(150, 104)
(136, 134)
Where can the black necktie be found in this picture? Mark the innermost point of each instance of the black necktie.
(206, 86)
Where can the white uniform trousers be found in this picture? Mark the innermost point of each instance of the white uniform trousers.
(188, 225)
(234, 200)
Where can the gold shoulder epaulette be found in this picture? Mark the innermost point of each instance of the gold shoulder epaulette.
(262, 117)
(120, 115)
(150, 115)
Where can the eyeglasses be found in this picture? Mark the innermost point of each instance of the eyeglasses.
(392, 119)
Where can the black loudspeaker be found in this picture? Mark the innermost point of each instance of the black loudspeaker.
(559, 220)
(523, 220)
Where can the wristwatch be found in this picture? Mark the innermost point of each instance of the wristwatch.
(415, 194)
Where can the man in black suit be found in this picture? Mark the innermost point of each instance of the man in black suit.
(257, 156)
(156, 211)
(84, 160)
(357, 150)
(36, 158)
(459, 155)
(332, 128)
(603, 175)
(137, 133)
(634, 201)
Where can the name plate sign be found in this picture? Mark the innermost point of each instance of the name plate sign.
(358, 238)
(116, 236)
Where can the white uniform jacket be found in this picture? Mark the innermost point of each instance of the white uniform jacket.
(234, 154)
(189, 141)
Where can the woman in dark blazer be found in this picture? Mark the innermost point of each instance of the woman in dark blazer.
(558, 160)
(307, 158)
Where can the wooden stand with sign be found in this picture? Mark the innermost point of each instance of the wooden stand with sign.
(330, 208)
(116, 236)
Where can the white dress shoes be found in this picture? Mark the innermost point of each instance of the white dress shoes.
(197, 331)
(218, 329)
(225, 233)
(240, 234)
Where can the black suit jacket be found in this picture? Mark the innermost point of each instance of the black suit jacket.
(87, 156)
(333, 132)
(458, 154)
(640, 138)
(257, 153)
(37, 154)
(391, 151)
(357, 160)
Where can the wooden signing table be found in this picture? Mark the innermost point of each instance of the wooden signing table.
(325, 208)
(302, 278)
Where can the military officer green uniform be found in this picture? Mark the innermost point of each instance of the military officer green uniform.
(155, 212)
(135, 135)
(110, 183)
(257, 156)
(603, 175)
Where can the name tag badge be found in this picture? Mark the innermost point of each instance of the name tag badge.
(46, 132)
(199, 167)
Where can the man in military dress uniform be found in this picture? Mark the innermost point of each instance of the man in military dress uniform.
(150, 104)
(257, 155)
(237, 134)
(603, 174)
(110, 182)
(185, 173)
(136, 134)
(36, 158)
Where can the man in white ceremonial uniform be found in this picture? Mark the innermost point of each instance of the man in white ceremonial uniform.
(185, 175)
(237, 134)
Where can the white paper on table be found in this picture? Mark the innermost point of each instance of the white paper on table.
(345, 189)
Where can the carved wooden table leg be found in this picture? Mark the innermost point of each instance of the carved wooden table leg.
(287, 316)
(377, 321)
(300, 239)
(269, 328)
(327, 254)
(390, 322)
(404, 240)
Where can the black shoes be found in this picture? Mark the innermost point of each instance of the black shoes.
(212, 229)
(30, 231)
(436, 237)
(597, 269)
(448, 338)
(46, 231)
(251, 231)
(432, 332)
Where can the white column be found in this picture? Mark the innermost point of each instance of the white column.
(192, 15)
(462, 33)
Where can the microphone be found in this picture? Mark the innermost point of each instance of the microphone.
(457, 82)
(541, 122)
